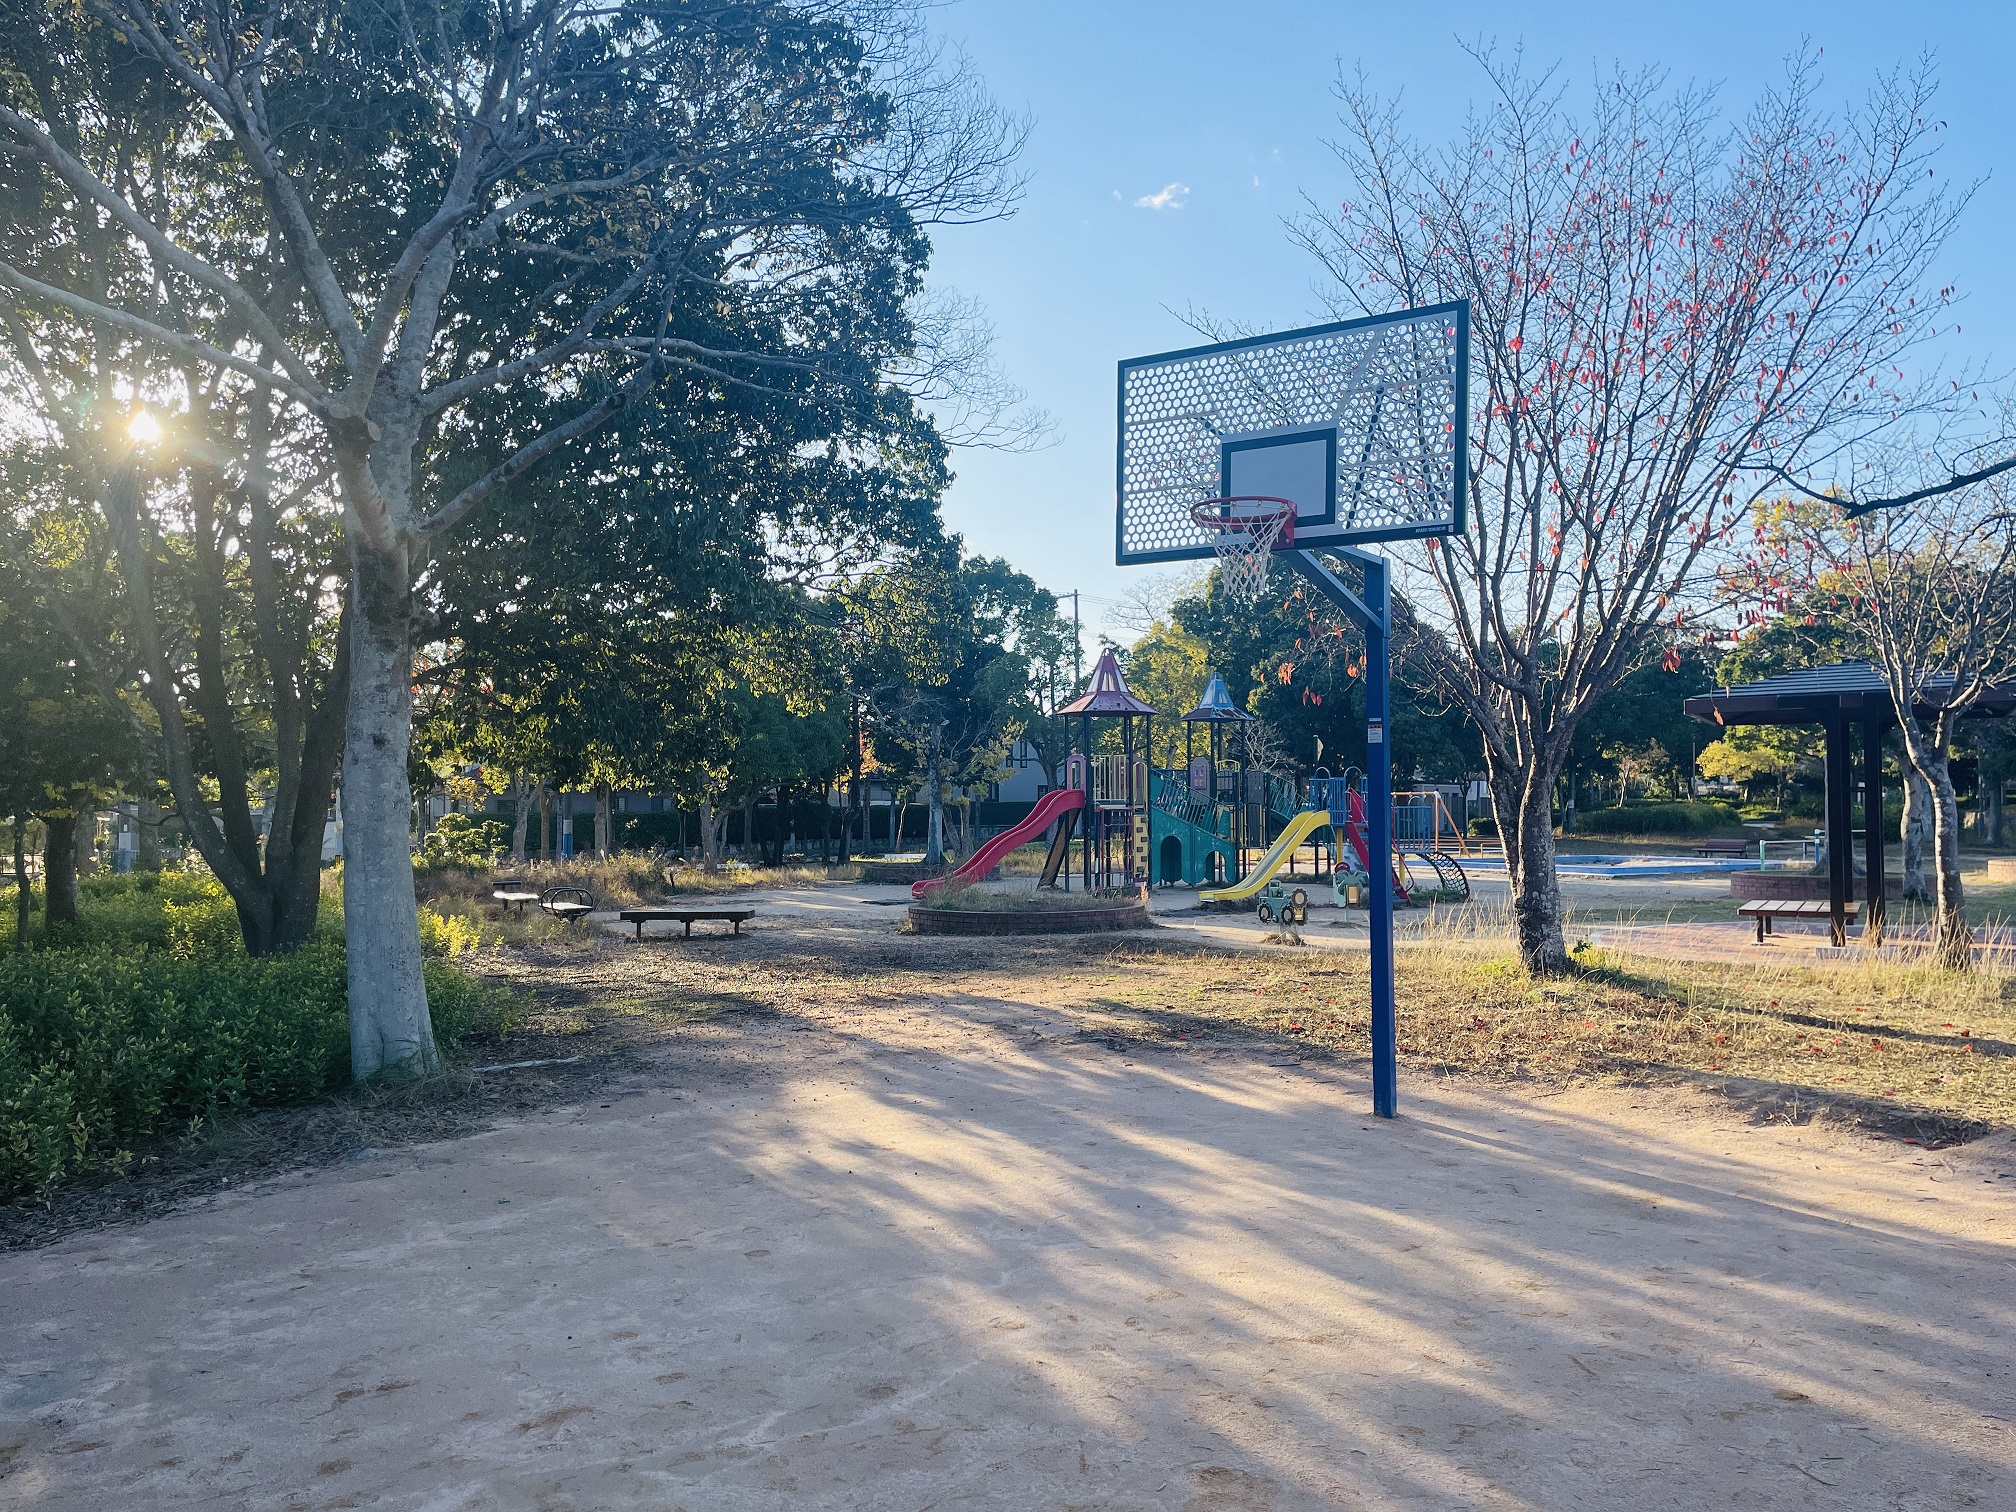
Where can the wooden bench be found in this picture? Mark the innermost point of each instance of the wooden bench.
(1723, 848)
(687, 916)
(1764, 910)
(512, 890)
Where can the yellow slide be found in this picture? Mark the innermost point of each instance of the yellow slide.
(1300, 828)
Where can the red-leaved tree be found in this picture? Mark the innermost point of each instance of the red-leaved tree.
(1666, 309)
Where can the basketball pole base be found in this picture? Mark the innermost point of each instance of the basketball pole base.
(1373, 615)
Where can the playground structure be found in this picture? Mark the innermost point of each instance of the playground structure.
(1104, 800)
(1335, 808)
(1215, 823)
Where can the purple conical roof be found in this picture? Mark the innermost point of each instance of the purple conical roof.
(1108, 693)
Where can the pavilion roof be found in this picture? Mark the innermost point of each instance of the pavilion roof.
(1850, 691)
(1108, 693)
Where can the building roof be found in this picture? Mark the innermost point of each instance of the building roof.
(1851, 691)
(1108, 693)
(1216, 706)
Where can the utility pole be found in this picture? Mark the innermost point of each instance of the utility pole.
(1077, 644)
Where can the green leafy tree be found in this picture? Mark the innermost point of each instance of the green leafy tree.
(66, 738)
(417, 218)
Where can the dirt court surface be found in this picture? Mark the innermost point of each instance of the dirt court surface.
(946, 1251)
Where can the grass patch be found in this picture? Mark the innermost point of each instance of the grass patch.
(1911, 1044)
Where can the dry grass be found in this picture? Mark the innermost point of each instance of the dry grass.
(1905, 1047)
(1912, 1042)
(621, 882)
(969, 897)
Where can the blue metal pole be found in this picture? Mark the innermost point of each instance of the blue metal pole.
(1379, 836)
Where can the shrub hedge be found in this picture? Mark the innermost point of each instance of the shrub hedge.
(1657, 819)
(151, 1014)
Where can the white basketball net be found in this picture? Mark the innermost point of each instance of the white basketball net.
(1243, 536)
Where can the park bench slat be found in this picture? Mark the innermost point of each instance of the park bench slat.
(687, 916)
(1764, 910)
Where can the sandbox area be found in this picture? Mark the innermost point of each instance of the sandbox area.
(944, 1249)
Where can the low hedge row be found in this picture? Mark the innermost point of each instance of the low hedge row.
(163, 1019)
(1657, 819)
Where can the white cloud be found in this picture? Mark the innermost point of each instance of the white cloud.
(1170, 197)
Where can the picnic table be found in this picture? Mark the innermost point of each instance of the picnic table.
(1764, 910)
(687, 916)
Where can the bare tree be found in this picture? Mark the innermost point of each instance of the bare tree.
(1661, 306)
(495, 227)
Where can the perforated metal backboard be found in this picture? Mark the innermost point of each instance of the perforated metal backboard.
(1363, 424)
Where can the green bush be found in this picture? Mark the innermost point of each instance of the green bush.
(644, 832)
(464, 840)
(1657, 819)
(150, 1014)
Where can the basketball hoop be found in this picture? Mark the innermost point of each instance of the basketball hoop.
(1246, 530)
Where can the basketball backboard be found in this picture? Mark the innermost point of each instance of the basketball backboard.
(1363, 424)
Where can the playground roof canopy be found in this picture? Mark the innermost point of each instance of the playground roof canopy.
(1108, 693)
(1850, 692)
(1216, 706)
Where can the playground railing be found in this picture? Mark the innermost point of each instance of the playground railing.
(1789, 855)
(1172, 796)
(1422, 821)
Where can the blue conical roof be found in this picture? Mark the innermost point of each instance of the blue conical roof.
(1216, 706)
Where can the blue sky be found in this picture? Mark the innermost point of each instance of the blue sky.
(1230, 103)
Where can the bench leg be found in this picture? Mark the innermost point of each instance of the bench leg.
(689, 929)
(1760, 929)
(738, 925)
(640, 928)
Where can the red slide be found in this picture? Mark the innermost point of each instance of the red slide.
(984, 860)
(1354, 836)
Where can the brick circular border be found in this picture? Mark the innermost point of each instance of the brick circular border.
(1798, 886)
(953, 921)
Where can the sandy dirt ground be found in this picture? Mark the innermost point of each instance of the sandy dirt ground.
(949, 1253)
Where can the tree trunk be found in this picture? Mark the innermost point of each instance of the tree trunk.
(24, 900)
(602, 821)
(1523, 805)
(147, 853)
(934, 800)
(59, 870)
(391, 1031)
(545, 820)
(85, 837)
(710, 837)
(748, 846)
(1916, 828)
(1991, 812)
(1954, 940)
(523, 795)
(847, 822)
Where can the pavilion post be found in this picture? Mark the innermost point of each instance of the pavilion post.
(1840, 830)
(1872, 829)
